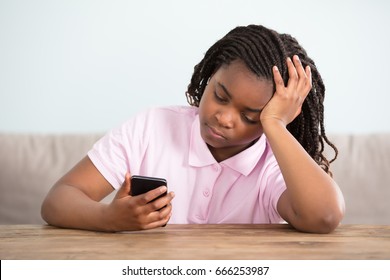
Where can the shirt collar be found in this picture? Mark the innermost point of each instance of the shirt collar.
(244, 162)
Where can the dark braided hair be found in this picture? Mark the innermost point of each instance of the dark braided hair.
(260, 49)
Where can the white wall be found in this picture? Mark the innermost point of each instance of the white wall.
(86, 66)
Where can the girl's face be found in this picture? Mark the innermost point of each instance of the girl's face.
(229, 111)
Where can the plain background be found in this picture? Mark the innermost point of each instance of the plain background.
(86, 66)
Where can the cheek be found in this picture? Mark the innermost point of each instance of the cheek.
(202, 109)
(251, 133)
(205, 105)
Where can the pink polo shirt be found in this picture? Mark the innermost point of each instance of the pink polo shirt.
(166, 142)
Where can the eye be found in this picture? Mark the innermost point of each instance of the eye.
(219, 98)
(249, 120)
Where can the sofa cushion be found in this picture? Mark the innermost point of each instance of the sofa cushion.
(362, 171)
(29, 166)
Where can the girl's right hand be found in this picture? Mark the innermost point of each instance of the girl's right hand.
(127, 212)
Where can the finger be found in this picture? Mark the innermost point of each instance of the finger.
(165, 215)
(309, 76)
(151, 195)
(307, 84)
(125, 188)
(161, 202)
(159, 218)
(299, 67)
(292, 73)
(279, 83)
(305, 78)
(302, 73)
(159, 223)
(165, 212)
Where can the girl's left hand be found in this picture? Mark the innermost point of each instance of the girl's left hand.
(286, 103)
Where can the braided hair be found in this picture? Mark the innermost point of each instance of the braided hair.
(260, 49)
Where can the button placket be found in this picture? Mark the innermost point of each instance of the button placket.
(216, 168)
(204, 193)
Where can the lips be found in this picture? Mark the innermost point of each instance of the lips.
(215, 132)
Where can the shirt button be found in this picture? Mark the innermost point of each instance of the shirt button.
(206, 193)
(215, 168)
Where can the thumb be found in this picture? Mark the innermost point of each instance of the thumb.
(125, 188)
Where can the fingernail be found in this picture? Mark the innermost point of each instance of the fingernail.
(276, 68)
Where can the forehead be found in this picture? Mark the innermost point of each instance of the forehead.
(243, 84)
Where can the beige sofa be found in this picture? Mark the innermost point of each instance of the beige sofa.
(30, 164)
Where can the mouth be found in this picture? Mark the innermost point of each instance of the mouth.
(215, 132)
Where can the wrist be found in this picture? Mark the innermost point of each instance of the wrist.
(106, 221)
(269, 124)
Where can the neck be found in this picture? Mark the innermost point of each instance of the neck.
(221, 154)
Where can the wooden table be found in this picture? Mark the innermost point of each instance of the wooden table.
(196, 242)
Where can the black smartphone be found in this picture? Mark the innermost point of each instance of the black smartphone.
(143, 184)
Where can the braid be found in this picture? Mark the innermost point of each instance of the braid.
(308, 127)
(260, 49)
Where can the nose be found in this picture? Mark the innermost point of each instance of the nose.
(225, 118)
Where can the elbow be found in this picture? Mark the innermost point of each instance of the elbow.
(328, 223)
(325, 219)
(332, 218)
(45, 211)
(323, 223)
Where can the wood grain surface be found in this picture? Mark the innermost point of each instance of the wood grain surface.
(194, 242)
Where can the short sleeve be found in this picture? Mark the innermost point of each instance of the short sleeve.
(275, 187)
(121, 149)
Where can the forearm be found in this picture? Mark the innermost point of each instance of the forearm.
(312, 194)
(67, 206)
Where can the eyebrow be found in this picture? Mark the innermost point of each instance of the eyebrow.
(230, 96)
